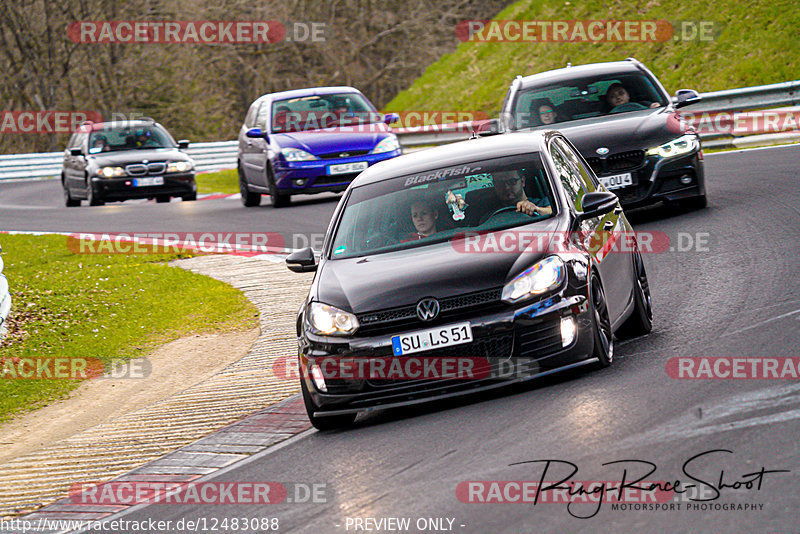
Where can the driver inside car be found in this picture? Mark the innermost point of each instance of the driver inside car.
(508, 192)
(617, 96)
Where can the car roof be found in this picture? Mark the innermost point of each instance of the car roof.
(125, 123)
(309, 91)
(611, 67)
(461, 152)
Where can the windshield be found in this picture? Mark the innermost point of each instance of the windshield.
(113, 139)
(581, 98)
(323, 111)
(438, 204)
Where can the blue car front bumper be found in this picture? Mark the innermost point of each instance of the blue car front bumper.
(314, 176)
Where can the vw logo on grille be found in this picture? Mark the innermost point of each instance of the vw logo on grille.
(428, 309)
(602, 151)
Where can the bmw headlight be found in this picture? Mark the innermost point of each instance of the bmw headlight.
(330, 321)
(388, 144)
(179, 166)
(544, 276)
(677, 147)
(110, 172)
(295, 154)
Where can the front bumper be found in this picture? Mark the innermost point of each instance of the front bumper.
(312, 176)
(516, 344)
(659, 179)
(177, 184)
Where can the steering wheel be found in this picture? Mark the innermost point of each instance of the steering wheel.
(627, 106)
(495, 212)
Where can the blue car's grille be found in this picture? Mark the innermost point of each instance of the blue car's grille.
(343, 154)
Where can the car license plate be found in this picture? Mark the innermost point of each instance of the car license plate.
(347, 168)
(434, 338)
(144, 182)
(617, 180)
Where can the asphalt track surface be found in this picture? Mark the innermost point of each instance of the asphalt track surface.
(737, 296)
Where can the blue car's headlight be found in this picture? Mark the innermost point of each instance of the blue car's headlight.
(684, 144)
(388, 144)
(330, 321)
(295, 154)
(544, 276)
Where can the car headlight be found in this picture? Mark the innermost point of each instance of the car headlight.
(677, 147)
(179, 166)
(388, 144)
(110, 172)
(295, 154)
(330, 321)
(544, 276)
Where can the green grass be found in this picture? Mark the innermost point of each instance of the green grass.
(101, 306)
(218, 182)
(754, 43)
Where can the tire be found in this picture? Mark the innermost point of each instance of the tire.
(695, 203)
(162, 199)
(249, 199)
(92, 197)
(603, 336)
(332, 422)
(279, 200)
(68, 200)
(641, 320)
(190, 197)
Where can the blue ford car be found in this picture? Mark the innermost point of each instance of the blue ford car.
(309, 141)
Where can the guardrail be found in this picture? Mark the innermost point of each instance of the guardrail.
(222, 155)
(207, 157)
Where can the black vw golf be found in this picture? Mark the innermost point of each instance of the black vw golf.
(462, 268)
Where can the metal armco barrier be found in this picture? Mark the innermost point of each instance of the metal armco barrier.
(222, 155)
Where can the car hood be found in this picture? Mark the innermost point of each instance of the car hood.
(402, 278)
(125, 157)
(636, 130)
(356, 137)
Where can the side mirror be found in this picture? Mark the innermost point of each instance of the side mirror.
(686, 97)
(183, 143)
(487, 127)
(598, 203)
(391, 118)
(75, 152)
(302, 261)
(257, 133)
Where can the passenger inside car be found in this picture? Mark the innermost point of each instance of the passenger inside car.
(619, 99)
(424, 217)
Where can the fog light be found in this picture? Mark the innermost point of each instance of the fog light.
(300, 182)
(567, 331)
(686, 179)
(319, 378)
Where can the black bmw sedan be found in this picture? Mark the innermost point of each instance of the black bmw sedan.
(115, 161)
(463, 268)
(623, 122)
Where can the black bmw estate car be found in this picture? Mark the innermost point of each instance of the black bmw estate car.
(462, 268)
(111, 161)
(623, 122)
